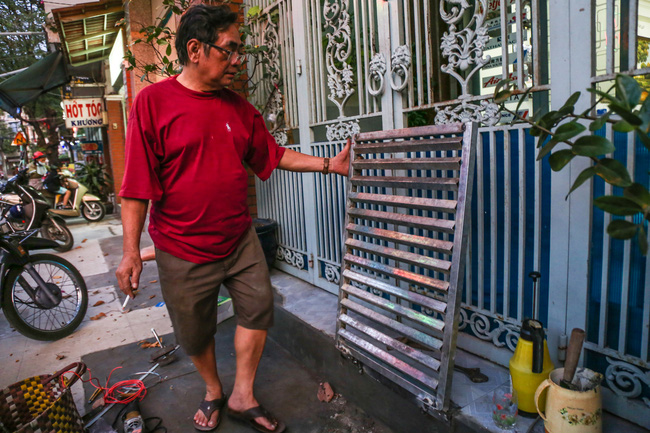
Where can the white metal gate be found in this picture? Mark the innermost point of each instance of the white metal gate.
(345, 66)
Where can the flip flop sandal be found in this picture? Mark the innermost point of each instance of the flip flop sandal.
(208, 408)
(248, 416)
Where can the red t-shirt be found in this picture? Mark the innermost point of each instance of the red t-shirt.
(185, 152)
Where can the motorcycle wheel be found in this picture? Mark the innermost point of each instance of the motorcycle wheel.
(62, 236)
(35, 321)
(93, 211)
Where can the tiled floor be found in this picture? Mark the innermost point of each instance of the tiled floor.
(22, 357)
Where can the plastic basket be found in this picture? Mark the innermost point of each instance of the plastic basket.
(42, 404)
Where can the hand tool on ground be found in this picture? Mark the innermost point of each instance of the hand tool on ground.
(95, 395)
(132, 419)
(474, 374)
(164, 355)
(572, 357)
(107, 408)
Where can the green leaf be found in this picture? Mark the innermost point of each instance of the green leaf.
(546, 149)
(572, 100)
(254, 11)
(569, 105)
(621, 229)
(567, 131)
(613, 172)
(638, 193)
(535, 132)
(584, 176)
(623, 126)
(617, 205)
(560, 159)
(644, 137)
(626, 114)
(550, 119)
(605, 95)
(502, 96)
(521, 100)
(592, 145)
(542, 138)
(501, 84)
(643, 240)
(628, 90)
(600, 122)
(169, 50)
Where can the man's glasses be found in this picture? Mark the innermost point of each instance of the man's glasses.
(239, 57)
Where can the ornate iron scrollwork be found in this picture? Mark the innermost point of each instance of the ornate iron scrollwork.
(294, 258)
(376, 72)
(340, 75)
(463, 48)
(626, 380)
(342, 130)
(275, 105)
(482, 327)
(486, 113)
(332, 273)
(400, 63)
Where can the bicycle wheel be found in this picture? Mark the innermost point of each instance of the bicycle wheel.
(35, 320)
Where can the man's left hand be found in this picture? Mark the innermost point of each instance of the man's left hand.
(340, 164)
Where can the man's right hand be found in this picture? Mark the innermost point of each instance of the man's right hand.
(128, 273)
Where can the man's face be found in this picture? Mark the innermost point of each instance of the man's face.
(217, 69)
(41, 160)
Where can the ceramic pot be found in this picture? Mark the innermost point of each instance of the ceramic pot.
(569, 411)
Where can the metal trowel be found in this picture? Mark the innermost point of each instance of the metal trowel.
(166, 354)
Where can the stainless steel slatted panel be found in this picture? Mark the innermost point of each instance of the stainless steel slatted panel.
(386, 294)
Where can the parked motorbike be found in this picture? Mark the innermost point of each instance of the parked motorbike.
(24, 208)
(83, 203)
(43, 296)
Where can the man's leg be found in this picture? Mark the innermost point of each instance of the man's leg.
(206, 365)
(190, 294)
(249, 345)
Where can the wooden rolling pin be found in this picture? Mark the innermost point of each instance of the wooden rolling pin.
(572, 357)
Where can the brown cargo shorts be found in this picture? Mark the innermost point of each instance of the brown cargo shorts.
(191, 291)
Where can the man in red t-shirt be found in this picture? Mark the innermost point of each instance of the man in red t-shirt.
(188, 137)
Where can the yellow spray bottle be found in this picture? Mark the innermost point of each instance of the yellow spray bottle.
(531, 363)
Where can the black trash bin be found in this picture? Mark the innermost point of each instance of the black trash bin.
(265, 229)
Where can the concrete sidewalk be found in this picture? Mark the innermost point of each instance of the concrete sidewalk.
(112, 341)
(22, 357)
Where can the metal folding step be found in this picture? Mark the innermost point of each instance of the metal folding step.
(403, 258)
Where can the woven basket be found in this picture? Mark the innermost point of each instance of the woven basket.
(42, 404)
